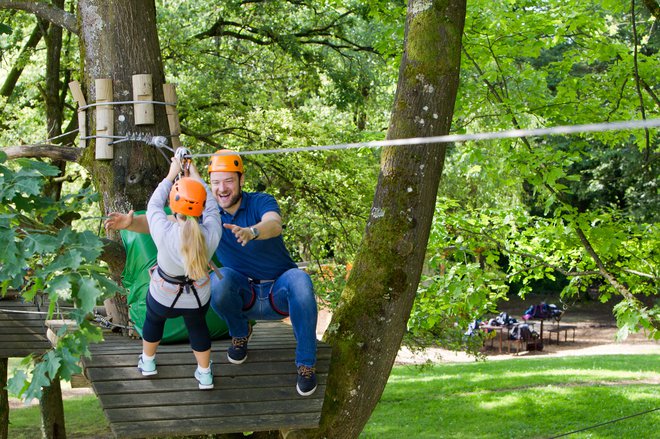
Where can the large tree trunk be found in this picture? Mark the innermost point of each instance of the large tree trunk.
(118, 40)
(375, 306)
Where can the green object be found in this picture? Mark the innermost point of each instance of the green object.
(140, 257)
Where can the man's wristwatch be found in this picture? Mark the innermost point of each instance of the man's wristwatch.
(255, 232)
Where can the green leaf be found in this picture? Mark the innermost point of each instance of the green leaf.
(88, 292)
(18, 383)
(4, 29)
(52, 364)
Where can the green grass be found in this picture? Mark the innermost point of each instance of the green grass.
(526, 398)
(82, 415)
(521, 398)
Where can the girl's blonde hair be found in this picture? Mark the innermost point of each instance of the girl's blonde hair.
(193, 249)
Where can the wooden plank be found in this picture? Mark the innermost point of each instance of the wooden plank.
(248, 368)
(208, 410)
(192, 396)
(257, 395)
(153, 385)
(215, 425)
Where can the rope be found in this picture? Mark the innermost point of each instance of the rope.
(605, 423)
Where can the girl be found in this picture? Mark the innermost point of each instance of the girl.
(180, 283)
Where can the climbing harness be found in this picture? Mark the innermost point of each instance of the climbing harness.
(184, 282)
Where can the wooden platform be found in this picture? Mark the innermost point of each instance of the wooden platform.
(23, 331)
(257, 395)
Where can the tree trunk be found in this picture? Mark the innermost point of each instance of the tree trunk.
(52, 411)
(118, 40)
(4, 399)
(373, 313)
(52, 98)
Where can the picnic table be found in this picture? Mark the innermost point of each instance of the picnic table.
(503, 332)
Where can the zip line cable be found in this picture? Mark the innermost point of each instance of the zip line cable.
(456, 138)
(161, 141)
(605, 423)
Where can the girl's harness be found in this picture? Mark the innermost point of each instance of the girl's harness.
(185, 285)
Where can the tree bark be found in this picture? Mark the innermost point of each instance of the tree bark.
(52, 411)
(371, 319)
(54, 110)
(119, 39)
(4, 399)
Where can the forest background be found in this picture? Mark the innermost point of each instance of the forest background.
(574, 213)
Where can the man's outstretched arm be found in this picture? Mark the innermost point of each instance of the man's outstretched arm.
(127, 221)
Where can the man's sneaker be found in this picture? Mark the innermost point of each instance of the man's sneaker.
(205, 379)
(306, 382)
(147, 367)
(237, 352)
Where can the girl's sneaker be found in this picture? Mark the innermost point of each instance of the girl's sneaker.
(205, 379)
(147, 367)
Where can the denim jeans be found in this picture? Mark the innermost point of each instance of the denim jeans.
(291, 294)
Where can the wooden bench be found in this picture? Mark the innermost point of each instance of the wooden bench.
(557, 329)
(257, 395)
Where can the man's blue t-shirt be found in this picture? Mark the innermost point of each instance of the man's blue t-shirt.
(261, 259)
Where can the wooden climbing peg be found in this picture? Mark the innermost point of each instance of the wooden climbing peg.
(169, 92)
(104, 119)
(143, 91)
(76, 92)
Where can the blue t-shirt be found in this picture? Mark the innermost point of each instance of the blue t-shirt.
(261, 259)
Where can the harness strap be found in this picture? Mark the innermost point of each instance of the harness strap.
(185, 284)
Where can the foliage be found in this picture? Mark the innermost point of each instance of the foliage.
(43, 257)
(512, 212)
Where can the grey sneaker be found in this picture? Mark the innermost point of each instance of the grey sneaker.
(205, 380)
(306, 382)
(147, 367)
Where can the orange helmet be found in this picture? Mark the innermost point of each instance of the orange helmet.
(229, 162)
(188, 197)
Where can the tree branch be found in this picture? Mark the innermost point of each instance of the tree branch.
(55, 152)
(45, 11)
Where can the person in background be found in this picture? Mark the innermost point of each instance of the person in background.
(180, 283)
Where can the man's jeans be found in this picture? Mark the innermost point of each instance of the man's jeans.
(292, 294)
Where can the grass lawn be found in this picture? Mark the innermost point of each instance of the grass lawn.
(525, 398)
(521, 398)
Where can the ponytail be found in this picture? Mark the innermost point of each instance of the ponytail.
(193, 249)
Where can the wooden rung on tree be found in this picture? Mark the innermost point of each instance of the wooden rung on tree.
(169, 92)
(143, 91)
(104, 119)
(79, 97)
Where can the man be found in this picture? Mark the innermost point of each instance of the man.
(259, 280)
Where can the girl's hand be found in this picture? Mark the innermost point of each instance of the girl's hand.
(175, 168)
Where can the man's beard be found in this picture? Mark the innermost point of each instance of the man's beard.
(233, 200)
